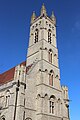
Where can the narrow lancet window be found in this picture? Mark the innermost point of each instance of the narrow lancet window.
(52, 105)
(36, 35)
(51, 76)
(50, 56)
(49, 36)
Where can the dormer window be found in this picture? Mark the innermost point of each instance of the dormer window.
(36, 35)
(49, 36)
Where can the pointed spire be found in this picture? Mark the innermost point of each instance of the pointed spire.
(33, 17)
(53, 17)
(43, 10)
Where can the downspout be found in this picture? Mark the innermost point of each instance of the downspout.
(17, 89)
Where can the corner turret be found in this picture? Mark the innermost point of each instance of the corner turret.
(43, 10)
(53, 18)
(65, 95)
(33, 17)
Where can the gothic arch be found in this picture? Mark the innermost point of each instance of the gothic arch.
(50, 55)
(46, 96)
(38, 96)
(2, 117)
(52, 96)
(52, 104)
(51, 77)
(28, 118)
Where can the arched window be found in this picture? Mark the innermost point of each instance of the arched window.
(28, 118)
(51, 78)
(36, 35)
(49, 36)
(52, 104)
(52, 107)
(50, 56)
(3, 118)
(7, 96)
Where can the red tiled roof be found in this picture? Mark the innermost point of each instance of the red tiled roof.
(9, 75)
(23, 63)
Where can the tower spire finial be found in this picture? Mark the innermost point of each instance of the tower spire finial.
(43, 10)
(53, 17)
(33, 17)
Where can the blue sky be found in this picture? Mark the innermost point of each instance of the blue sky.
(14, 35)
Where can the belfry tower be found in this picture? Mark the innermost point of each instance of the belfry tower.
(32, 89)
(46, 96)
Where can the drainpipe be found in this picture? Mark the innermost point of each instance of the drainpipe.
(17, 89)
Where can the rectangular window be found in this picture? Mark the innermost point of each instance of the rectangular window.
(51, 107)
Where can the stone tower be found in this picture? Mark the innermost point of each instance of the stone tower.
(32, 89)
(48, 100)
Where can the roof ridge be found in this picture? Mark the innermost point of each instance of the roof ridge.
(22, 63)
(8, 75)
